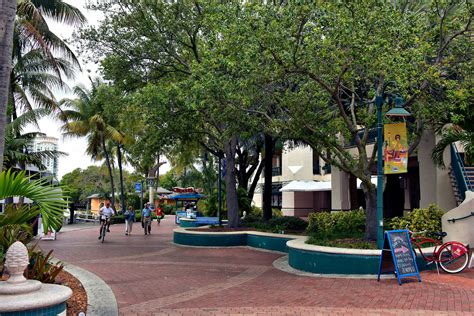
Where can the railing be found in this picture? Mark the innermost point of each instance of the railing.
(460, 218)
(462, 180)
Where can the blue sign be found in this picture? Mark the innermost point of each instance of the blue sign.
(138, 187)
(398, 256)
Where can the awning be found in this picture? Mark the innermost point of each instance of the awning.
(314, 186)
(186, 196)
(161, 190)
(306, 186)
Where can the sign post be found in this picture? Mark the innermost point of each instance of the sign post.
(398, 256)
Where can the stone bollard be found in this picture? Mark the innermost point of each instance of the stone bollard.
(19, 296)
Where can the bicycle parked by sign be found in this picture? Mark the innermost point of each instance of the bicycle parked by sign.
(451, 256)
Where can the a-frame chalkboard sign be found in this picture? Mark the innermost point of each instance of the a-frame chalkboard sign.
(398, 256)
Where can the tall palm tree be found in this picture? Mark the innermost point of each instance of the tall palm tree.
(7, 21)
(85, 116)
(32, 81)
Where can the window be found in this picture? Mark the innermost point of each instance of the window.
(276, 164)
(276, 195)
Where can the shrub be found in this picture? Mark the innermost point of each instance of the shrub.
(340, 223)
(276, 225)
(419, 219)
(169, 209)
(257, 211)
(118, 219)
(41, 269)
(289, 223)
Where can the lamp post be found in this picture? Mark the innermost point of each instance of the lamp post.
(397, 111)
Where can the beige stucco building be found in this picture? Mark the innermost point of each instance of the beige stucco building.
(303, 183)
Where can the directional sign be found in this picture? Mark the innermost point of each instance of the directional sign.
(138, 187)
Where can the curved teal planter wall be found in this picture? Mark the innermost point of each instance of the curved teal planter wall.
(314, 261)
(267, 242)
(332, 263)
(211, 240)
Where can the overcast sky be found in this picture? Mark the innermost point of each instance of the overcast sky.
(74, 147)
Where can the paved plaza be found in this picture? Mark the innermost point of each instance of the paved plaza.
(150, 275)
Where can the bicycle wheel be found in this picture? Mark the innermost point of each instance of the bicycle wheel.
(453, 257)
(102, 232)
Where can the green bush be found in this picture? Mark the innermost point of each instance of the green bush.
(341, 223)
(289, 223)
(276, 224)
(168, 209)
(257, 211)
(419, 219)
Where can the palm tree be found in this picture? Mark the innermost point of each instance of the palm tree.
(16, 153)
(7, 22)
(85, 116)
(31, 82)
(49, 200)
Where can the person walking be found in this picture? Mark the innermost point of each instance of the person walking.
(129, 219)
(159, 215)
(146, 218)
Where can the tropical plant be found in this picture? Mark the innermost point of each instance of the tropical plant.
(40, 268)
(85, 116)
(48, 199)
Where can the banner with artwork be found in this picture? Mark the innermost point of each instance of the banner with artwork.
(395, 148)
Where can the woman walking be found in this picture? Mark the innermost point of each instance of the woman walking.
(129, 219)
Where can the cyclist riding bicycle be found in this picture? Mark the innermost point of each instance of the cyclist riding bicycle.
(105, 213)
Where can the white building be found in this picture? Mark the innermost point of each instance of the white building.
(43, 143)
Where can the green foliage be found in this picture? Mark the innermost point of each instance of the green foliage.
(286, 224)
(41, 269)
(357, 241)
(419, 219)
(341, 223)
(257, 211)
(49, 200)
(170, 209)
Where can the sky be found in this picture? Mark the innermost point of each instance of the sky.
(74, 147)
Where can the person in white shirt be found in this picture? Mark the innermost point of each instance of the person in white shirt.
(108, 212)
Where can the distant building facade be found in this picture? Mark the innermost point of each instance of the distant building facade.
(43, 143)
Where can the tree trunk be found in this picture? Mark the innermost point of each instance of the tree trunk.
(267, 187)
(7, 21)
(253, 186)
(119, 161)
(370, 195)
(231, 184)
(109, 167)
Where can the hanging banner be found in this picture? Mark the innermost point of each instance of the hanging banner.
(395, 148)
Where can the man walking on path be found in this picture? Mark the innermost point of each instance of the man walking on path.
(146, 218)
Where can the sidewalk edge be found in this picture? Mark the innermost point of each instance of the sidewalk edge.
(100, 298)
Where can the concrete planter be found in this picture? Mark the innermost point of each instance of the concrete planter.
(301, 256)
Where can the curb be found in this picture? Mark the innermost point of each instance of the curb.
(283, 265)
(100, 298)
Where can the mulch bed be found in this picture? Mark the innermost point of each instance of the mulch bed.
(78, 301)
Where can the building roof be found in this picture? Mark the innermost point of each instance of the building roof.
(161, 190)
(94, 196)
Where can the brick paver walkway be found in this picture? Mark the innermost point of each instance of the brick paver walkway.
(149, 275)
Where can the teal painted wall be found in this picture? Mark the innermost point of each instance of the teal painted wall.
(188, 223)
(210, 240)
(267, 242)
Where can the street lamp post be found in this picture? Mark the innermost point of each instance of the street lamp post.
(397, 111)
(379, 103)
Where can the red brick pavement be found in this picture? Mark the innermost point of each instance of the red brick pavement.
(149, 275)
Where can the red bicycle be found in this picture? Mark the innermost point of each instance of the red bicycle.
(452, 256)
